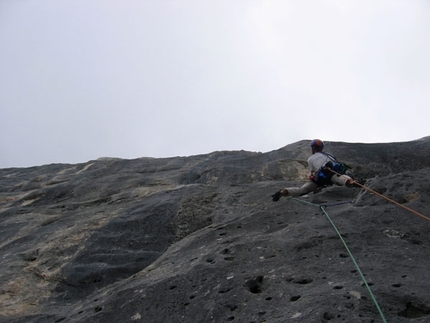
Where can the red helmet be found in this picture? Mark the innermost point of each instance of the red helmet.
(318, 143)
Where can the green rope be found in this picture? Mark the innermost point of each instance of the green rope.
(322, 207)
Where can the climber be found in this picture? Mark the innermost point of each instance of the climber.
(320, 164)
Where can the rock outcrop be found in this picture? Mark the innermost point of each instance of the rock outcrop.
(198, 239)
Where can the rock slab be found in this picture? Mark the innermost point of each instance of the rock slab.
(198, 239)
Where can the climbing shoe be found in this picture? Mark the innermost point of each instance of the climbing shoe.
(276, 196)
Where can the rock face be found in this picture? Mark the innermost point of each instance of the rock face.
(198, 239)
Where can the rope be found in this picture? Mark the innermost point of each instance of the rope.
(385, 197)
(356, 265)
(323, 207)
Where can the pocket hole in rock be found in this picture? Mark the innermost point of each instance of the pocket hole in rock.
(294, 298)
(255, 285)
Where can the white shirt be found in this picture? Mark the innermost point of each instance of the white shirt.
(317, 160)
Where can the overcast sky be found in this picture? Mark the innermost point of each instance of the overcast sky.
(83, 79)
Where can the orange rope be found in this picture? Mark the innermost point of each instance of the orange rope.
(383, 196)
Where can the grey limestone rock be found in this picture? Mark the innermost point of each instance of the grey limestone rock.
(198, 239)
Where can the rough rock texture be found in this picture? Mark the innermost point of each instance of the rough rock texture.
(198, 239)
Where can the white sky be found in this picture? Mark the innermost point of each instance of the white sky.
(82, 79)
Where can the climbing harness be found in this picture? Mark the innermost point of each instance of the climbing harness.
(323, 208)
(385, 197)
